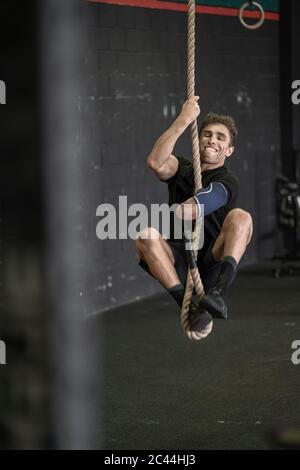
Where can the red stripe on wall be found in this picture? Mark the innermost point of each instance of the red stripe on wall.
(208, 10)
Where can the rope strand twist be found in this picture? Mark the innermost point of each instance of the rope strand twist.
(193, 277)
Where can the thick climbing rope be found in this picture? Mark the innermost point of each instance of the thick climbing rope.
(193, 277)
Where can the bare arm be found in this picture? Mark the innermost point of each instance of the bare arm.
(161, 160)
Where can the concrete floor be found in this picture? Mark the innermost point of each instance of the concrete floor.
(160, 391)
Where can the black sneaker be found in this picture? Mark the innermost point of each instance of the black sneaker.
(215, 303)
(200, 322)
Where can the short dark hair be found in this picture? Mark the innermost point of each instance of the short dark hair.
(227, 121)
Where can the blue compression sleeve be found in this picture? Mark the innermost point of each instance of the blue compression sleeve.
(212, 197)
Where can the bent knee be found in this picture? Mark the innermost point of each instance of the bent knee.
(147, 234)
(145, 239)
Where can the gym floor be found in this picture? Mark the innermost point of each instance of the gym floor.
(230, 391)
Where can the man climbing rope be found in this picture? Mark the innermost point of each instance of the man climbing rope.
(227, 229)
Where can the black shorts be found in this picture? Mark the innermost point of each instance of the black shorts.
(209, 269)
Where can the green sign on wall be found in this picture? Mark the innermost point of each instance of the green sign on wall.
(268, 5)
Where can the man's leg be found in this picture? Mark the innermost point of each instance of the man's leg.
(229, 248)
(235, 235)
(158, 255)
(154, 250)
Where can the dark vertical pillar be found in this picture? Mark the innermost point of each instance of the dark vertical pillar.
(24, 417)
(66, 226)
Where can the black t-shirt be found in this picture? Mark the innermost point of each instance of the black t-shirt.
(181, 188)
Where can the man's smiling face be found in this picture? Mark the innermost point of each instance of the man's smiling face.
(215, 144)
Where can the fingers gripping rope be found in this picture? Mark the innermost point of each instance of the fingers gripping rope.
(193, 278)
